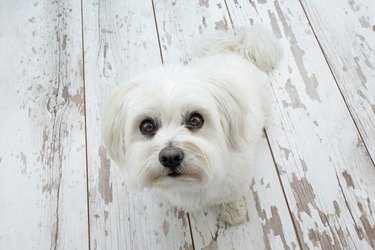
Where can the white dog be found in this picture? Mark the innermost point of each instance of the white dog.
(191, 130)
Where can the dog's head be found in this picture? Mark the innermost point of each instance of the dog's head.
(174, 129)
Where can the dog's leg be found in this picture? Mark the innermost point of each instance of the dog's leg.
(233, 213)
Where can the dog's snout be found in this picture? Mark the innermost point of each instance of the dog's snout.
(171, 157)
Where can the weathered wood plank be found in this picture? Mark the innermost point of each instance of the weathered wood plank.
(121, 41)
(180, 24)
(328, 178)
(42, 150)
(345, 30)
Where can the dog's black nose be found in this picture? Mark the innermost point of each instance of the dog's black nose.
(171, 157)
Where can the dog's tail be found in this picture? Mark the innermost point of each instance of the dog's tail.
(252, 43)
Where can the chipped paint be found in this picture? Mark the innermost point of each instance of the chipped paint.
(204, 3)
(167, 35)
(368, 203)
(105, 187)
(187, 246)
(364, 23)
(211, 246)
(362, 95)
(204, 21)
(24, 162)
(322, 239)
(269, 225)
(49, 176)
(76, 99)
(348, 179)
(274, 24)
(213, 243)
(360, 73)
(286, 151)
(182, 217)
(353, 6)
(303, 193)
(63, 45)
(303, 164)
(337, 209)
(311, 82)
(106, 214)
(274, 224)
(47, 188)
(293, 96)
(165, 228)
(253, 4)
(367, 61)
(105, 31)
(221, 25)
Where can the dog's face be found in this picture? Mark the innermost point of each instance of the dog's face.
(173, 130)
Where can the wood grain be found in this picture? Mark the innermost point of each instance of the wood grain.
(121, 41)
(326, 173)
(313, 183)
(345, 30)
(181, 25)
(42, 150)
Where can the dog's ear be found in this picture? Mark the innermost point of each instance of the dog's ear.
(235, 113)
(113, 122)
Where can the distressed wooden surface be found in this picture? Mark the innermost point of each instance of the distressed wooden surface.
(120, 41)
(325, 170)
(313, 183)
(269, 224)
(346, 32)
(43, 203)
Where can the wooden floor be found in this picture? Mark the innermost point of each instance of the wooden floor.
(313, 186)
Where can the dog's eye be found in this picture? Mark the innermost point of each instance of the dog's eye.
(195, 121)
(148, 127)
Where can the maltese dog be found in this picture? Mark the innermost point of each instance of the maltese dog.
(191, 130)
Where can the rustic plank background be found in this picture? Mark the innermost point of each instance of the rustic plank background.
(318, 151)
(120, 40)
(43, 198)
(313, 183)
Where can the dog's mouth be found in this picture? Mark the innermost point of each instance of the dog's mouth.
(174, 174)
(176, 177)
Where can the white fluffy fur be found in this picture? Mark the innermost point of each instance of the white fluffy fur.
(227, 85)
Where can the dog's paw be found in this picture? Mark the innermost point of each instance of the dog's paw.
(233, 213)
